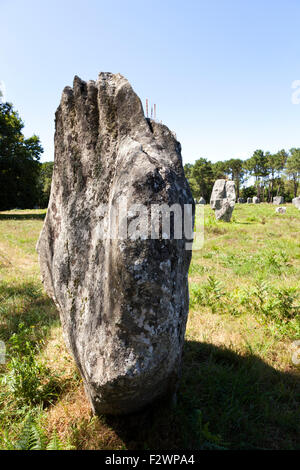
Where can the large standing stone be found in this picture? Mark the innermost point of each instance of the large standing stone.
(123, 303)
(296, 202)
(256, 200)
(277, 200)
(222, 199)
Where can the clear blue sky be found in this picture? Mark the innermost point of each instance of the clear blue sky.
(220, 71)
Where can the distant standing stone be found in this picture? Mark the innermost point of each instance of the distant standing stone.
(256, 200)
(222, 199)
(249, 200)
(201, 200)
(296, 202)
(277, 200)
(241, 200)
(281, 210)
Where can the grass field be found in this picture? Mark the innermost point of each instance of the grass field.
(240, 388)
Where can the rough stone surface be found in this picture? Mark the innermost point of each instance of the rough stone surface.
(280, 210)
(255, 200)
(123, 303)
(201, 200)
(222, 199)
(277, 200)
(296, 202)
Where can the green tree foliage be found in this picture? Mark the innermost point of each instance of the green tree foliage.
(257, 167)
(273, 174)
(220, 170)
(204, 177)
(293, 168)
(46, 171)
(19, 162)
(275, 165)
(235, 167)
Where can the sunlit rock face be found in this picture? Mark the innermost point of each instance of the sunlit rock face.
(277, 200)
(222, 199)
(123, 301)
(296, 202)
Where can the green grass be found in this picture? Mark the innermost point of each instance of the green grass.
(239, 387)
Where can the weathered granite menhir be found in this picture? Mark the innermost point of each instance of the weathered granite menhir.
(277, 200)
(222, 199)
(296, 202)
(123, 302)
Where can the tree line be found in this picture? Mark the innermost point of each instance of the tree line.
(25, 182)
(269, 175)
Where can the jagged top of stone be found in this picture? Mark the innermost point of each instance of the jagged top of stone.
(98, 124)
(223, 189)
(111, 108)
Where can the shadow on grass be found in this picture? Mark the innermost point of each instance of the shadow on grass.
(22, 216)
(25, 304)
(225, 401)
(245, 223)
